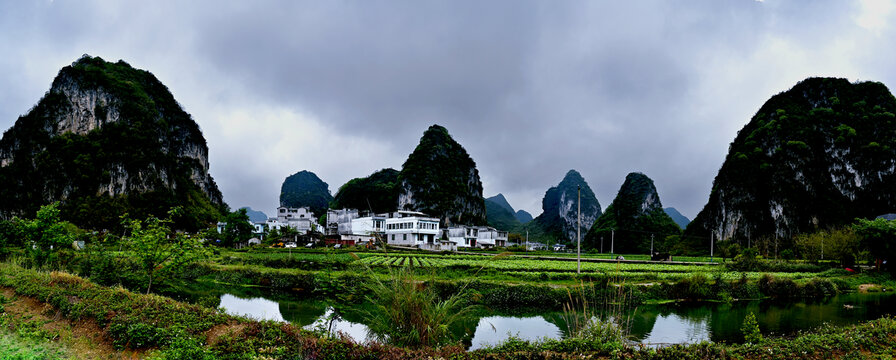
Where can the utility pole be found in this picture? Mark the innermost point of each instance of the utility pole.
(651, 245)
(527, 240)
(612, 240)
(579, 234)
(712, 244)
(601, 244)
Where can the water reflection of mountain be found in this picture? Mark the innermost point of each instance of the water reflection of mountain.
(302, 312)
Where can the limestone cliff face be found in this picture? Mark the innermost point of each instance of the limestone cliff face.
(560, 208)
(107, 137)
(816, 156)
(439, 178)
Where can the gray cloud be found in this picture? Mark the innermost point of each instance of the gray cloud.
(531, 89)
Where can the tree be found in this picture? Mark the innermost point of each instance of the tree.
(45, 235)
(238, 228)
(879, 236)
(8, 237)
(840, 244)
(160, 251)
(272, 236)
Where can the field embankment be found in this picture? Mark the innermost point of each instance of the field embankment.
(156, 326)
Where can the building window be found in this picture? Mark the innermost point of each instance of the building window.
(393, 237)
(404, 237)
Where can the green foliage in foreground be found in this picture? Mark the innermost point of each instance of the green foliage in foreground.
(411, 314)
(879, 236)
(45, 235)
(179, 330)
(13, 347)
(160, 251)
(750, 329)
(132, 320)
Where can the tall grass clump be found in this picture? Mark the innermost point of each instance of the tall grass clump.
(600, 317)
(408, 313)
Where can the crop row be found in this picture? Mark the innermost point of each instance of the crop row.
(523, 264)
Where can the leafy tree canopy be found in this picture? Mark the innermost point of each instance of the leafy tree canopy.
(159, 250)
(377, 192)
(237, 228)
(879, 236)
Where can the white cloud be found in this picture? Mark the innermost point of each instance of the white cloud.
(253, 148)
(875, 15)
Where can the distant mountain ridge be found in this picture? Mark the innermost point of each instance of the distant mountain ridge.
(254, 215)
(499, 217)
(501, 201)
(681, 220)
(523, 216)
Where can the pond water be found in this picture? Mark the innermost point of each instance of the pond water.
(652, 324)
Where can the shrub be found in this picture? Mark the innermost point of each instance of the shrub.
(750, 330)
(694, 287)
(409, 313)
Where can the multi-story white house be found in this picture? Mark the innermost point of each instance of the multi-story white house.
(274, 223)
(285, 214)
(339, 221)
(257, 227)
(301, 219)
(410, 228)
(369, 225)
(490, 237)
(463, 235)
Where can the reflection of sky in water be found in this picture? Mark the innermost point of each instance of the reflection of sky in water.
(652, 325)
(355, 331)
(256, 308)
(674, 329)
(494, 329)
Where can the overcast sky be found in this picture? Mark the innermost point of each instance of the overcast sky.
(530, 89)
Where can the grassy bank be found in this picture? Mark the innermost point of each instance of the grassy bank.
(169, 329)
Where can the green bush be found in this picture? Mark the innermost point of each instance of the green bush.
(694, 287)
(750, 330)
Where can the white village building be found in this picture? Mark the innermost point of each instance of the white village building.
(490, 237)
(301, 219)
(411, 228)
(462, 235)
(339, 221)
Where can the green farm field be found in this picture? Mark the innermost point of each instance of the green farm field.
(508, 267)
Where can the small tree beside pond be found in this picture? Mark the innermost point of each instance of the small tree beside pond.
(159, 251)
